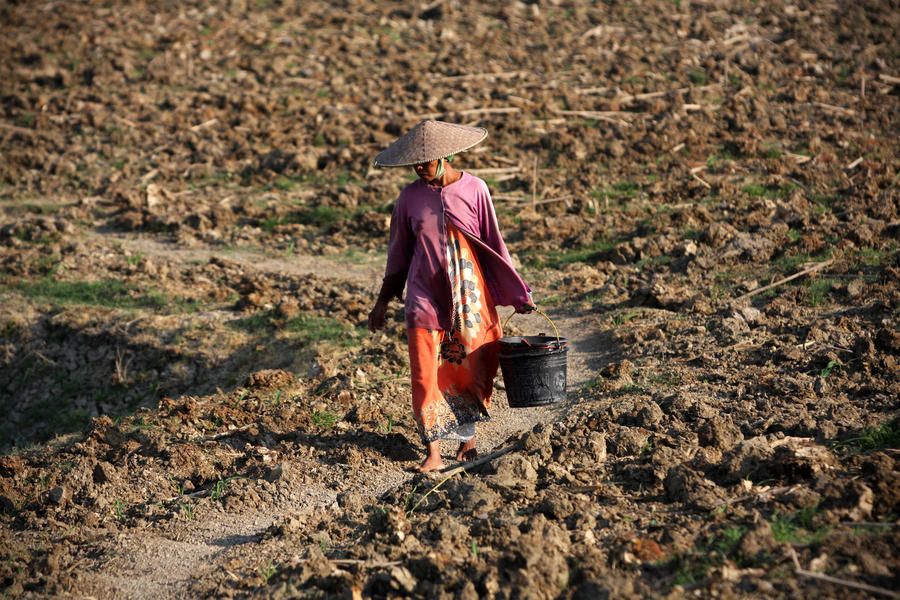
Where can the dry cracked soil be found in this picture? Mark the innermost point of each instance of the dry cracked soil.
(703, 195)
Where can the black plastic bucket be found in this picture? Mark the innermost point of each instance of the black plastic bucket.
(534, 369)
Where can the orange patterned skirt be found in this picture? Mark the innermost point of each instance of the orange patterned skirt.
(453, 371)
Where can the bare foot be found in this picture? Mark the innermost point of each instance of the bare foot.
(467, 451)
(430, 464)
(433, 461)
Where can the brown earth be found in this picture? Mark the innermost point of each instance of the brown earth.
(191, 238)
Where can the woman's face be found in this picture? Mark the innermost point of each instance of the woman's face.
(427, 170)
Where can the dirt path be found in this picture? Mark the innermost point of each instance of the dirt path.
(162, 560)
(364, 269)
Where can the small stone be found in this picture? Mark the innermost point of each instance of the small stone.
(855, 288)
(555, 504)
(468, 592)
(513, 470)
(350, 501)
(403, 579)
(757, 543)
(535, 440)
(620, 371)
(751, 315)
(649, 415)
(103, 473)
(683, 484)
(721, 433)
(288, 307)
(819, 564)
(59, 495)
(278, 472)
(156, 196)
(598, 446)
(647, 549)
(268, 378)
(616, 149)
(630, 442)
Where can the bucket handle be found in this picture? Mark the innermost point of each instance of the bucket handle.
(543, 314)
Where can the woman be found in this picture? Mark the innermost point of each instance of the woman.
(446, 249)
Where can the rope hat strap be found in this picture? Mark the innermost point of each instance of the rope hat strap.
(440, 169)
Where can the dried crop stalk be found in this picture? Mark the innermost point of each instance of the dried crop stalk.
(837, 580)
(806, 271)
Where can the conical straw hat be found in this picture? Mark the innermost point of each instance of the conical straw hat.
(427, 141)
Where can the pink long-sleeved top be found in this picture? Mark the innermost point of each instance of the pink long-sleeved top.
(417, 254)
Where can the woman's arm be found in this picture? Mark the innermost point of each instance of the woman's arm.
(489, 228)
(400, 251)
(399, 256)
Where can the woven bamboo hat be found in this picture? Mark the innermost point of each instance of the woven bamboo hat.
(427, 141)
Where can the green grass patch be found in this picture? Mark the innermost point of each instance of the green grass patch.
(653, 261)
(798, 527)
(588, 254)
(823, 203)
(58, 418)
(591, 384)
(886, 435)
(346, 177)
(210, 180)
(284, 184)
(789, 264)
(771, 149)
(831, 367)
(29, 235)
(631, 388)
(325, 419)
(312, 329)
(622, 317)
(707, 554)
(119, 509)
(698, 76)
(666, 378)
(756, 190)
(33, 208)
(692, 233)
(217, 492)
(624, 190)
(725, 540)
(306, 328)
(322, 217)
(875, 257)
(357, 256)
(719, 156)
(817, 291)
(552, 300)
(387, 426)
(255, 323)
(26, 120)
(108, 293)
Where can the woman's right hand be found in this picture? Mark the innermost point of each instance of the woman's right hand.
(377, 316)
(524, 309)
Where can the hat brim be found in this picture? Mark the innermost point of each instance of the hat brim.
(428, 141)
